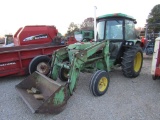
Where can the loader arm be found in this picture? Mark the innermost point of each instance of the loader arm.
(58, 56)
(79, 60)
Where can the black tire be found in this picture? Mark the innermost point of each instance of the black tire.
(96, 87)
(63, 74)
(132, 62)
(41, 64)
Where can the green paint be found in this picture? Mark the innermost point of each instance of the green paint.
(87, 56)
(86, 34)
(59, 97)
(57, 57)
(115, 15)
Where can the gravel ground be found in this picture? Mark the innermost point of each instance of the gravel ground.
(1, 45)
(126, 99)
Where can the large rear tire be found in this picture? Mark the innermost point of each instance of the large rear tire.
(99, 83)
(132, 62)
(41, 64)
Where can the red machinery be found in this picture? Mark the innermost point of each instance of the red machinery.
(71, 40)
(155, 70)
(33, 48)
(38, 34)
(149, 38)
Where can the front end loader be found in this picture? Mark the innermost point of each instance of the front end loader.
(116, 45)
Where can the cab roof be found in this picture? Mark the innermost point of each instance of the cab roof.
(116, 15)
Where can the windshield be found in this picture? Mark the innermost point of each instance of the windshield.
(113, 29)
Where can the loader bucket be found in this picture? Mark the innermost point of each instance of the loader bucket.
(42, 94)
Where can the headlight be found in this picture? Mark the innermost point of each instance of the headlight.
(130, 43)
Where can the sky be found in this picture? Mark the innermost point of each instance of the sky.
(18, 13)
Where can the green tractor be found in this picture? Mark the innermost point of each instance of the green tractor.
(84, 35)
(116, 45)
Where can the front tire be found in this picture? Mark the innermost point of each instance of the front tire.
(132, 62)
(99, 83)
(41, 64)
(63, 74)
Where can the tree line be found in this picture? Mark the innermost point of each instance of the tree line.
(154, 17)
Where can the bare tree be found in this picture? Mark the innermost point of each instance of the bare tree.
(72, 28)
(87, 24)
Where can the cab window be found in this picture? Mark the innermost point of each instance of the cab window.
(114, 29)
(129, 30)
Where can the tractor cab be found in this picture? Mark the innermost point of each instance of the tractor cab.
(84, 35)
(119, 29)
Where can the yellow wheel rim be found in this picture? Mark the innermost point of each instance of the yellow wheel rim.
(103, 83)
(137, 62)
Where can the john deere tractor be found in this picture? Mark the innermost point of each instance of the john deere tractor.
(116, 45)
(84, 35)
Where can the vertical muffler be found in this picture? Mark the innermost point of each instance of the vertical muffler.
(42, 94)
